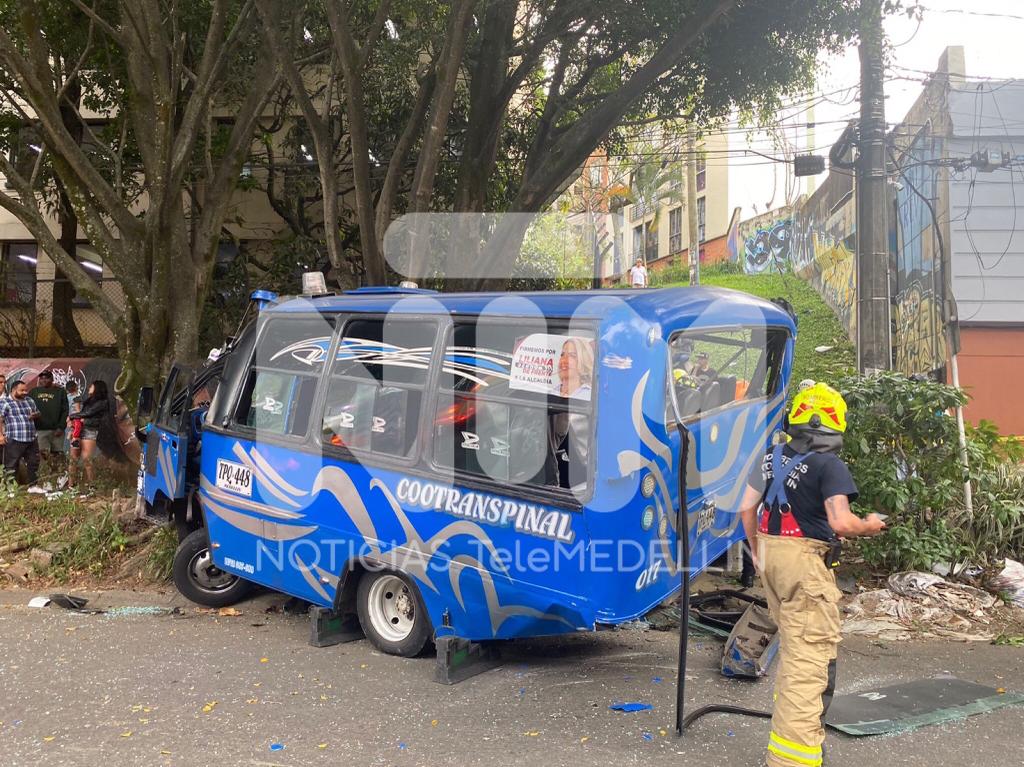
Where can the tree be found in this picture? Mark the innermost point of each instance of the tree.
(505, 99)
(151, 187)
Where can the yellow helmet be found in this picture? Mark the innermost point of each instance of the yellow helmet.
(819, 406)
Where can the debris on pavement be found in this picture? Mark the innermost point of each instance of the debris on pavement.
(1010, 582)
(921, 604)
(38, 601)
(630, 707)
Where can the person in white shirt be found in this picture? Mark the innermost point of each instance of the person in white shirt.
(638, 275)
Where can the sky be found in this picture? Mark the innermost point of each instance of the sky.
(992, 46)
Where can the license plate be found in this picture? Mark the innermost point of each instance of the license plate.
(234, 477)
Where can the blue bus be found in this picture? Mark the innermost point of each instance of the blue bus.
(476, 466)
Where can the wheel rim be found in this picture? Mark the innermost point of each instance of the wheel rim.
(391, 608)
(207, 575)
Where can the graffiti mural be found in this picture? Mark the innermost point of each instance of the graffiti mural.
(763, 243)
(918, 324)
(920, 346)
(823, 246)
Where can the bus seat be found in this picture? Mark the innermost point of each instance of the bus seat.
(689, 401)
(711, 393)
(728, 389)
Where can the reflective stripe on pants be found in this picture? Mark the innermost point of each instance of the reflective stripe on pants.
(804, 602)
(793, 752)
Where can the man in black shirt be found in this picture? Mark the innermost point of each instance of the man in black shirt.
(803, 492)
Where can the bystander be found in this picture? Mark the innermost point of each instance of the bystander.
(18, 416)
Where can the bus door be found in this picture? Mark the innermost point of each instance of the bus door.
(722, 380)
(168, 439)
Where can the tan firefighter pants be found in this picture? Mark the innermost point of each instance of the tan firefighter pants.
(804, 602)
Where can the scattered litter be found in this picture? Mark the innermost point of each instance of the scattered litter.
(321, 745)
(663, 733)
(648, 736)
(1010, 582)
(924, 604)
(36, 490)
(584, 739)
(48, 738)
(126, 734)
(629, 708)
(656, 680)
(433, 723)
(823, 349)
(69, 602)
(264, 660)
(38, 601)
(277, 746)
(209, 707)
(229, 612)
(532, 733)
(402, 747)
(730, 734)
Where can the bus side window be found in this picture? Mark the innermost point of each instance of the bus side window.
(280, 387)
(514, 404)
(717, 368)
(376, 387)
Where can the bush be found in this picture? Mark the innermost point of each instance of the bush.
(903, 450)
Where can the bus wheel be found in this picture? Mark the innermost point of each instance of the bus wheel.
(392, 614)
(201, 581)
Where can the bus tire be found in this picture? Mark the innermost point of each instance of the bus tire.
(392, 614)
(199, 580)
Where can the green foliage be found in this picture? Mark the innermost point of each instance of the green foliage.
(817, 324)
(902, 447)
(98, 541)
(161, 554)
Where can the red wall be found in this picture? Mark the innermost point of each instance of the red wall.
(992, 371)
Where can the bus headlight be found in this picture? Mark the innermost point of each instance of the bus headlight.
(647, 485)
(647, 520)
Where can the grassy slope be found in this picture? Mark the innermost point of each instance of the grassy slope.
(818, 326)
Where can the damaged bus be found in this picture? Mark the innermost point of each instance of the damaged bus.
(429, 467)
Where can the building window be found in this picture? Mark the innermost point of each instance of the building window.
(702, 173)
(675, 230)
(701, 218)
(594, 172)
(638, 241)
(18, 276)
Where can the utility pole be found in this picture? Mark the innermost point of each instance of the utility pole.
(693, 250)
(874, 348)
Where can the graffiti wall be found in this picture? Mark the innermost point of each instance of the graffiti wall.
(920, 348)
(823, 244)
(762, 243)
(83, 370)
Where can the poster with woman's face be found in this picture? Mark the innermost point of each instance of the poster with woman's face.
(553, 364)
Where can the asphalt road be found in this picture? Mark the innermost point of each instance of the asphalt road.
(198, 689)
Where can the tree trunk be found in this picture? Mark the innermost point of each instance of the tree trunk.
(63, 290)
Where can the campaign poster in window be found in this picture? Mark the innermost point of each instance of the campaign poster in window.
(553, 364)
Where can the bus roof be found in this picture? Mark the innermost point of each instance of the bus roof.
(671, 307)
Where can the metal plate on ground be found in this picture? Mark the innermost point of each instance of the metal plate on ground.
(908, 705)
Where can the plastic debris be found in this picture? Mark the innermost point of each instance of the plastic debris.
(656, 680)
(277, 746)
(402, 747)
(69, 602)
(1010, 582)
(922, 604)
(629, 708)
(209, 707)
(38, 601)
(648, 736)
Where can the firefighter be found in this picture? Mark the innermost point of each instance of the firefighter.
(802, 492)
